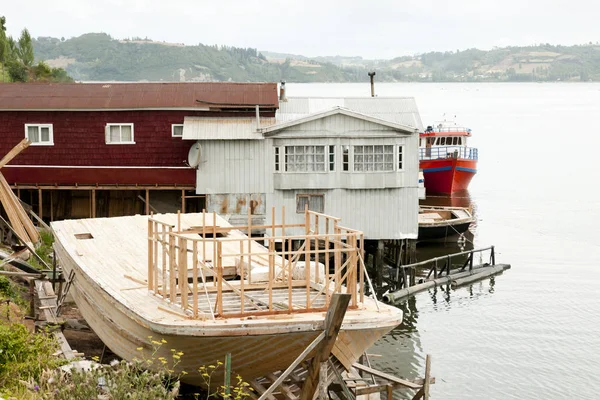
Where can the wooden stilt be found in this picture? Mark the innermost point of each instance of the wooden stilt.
(40, 205)
(147, 202)
(379, 263)
(93, 194)
(183, 200)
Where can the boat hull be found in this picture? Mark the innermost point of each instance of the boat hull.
(447, 231)
(448, 175)
(252, 355)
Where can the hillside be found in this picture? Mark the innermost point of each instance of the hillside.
(98, 57)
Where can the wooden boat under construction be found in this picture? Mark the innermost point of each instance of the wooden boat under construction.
(208, 289)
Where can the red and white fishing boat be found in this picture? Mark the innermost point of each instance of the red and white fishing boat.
(448, 164)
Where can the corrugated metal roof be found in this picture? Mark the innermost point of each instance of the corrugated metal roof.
(91, 96)
(401, 110)
(199, 128)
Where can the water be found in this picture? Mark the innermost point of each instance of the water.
(533, 332)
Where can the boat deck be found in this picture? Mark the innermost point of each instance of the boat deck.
(113, 253)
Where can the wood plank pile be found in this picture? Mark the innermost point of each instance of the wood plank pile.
(20, 222)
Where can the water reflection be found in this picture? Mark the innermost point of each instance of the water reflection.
(401, 350)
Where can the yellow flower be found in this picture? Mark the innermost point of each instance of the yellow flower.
(140, 349)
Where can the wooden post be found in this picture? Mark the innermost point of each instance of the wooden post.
(427, 377)
(323, 382)
(227, 380)
(195, 276)
(220, 276)
(40, 207)
(333, 322)
(147, 202)
(390, 391)
(379, 263)
(51, 205)
(150, 255)
(93, 203)
(183, 200)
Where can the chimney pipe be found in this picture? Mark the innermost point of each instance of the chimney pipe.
(257, 117)
(282, 96)
(372, 75)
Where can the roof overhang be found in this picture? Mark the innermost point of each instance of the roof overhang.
(272, 130)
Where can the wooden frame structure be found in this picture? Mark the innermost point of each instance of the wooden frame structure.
(187, 268)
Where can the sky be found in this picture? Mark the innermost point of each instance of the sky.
(376, 29)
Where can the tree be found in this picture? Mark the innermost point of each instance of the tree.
(3, 24)
(25, 51)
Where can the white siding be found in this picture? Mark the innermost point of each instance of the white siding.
(234, 166)
(380, 213)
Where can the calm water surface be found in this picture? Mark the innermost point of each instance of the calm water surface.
(533, 332)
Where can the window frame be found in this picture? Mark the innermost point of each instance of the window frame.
(107, 133)
(173, 130)
(50, 142)
(400, 157)
(364, 163)
(284, 154)
(309, 196)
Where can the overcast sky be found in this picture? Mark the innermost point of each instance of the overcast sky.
(372, 29)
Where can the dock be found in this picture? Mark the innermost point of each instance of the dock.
(441, 272)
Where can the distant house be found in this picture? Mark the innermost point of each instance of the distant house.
(353, 158)
(101, 149)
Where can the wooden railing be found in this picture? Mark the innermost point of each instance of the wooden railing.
(298, 269)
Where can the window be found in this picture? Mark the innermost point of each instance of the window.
(332, 158)
(119, 134)
(305, 158)
(373, 158)
(177, 130)
(460, 141)
(276, 158)
(345, 161)
(315, 202)
(39, 134)
(400, 158)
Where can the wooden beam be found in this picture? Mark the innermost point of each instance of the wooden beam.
(392, 378)
(333, 322)
(22, 145)
(147, 202)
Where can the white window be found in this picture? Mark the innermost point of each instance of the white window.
(119, 134)
(177, 130)
(305, 159)
(276, 158)
(315, 202)
(39, 134)
(400, 157)
(373, 158)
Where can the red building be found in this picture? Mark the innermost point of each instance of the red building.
(100, 149)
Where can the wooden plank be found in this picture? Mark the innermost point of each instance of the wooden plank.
(290, 369)
(22, 145)
(333, 322)
(389, 377)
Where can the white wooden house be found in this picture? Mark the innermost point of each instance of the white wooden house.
(353, 158)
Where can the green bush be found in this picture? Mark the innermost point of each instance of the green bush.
(24, 355)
